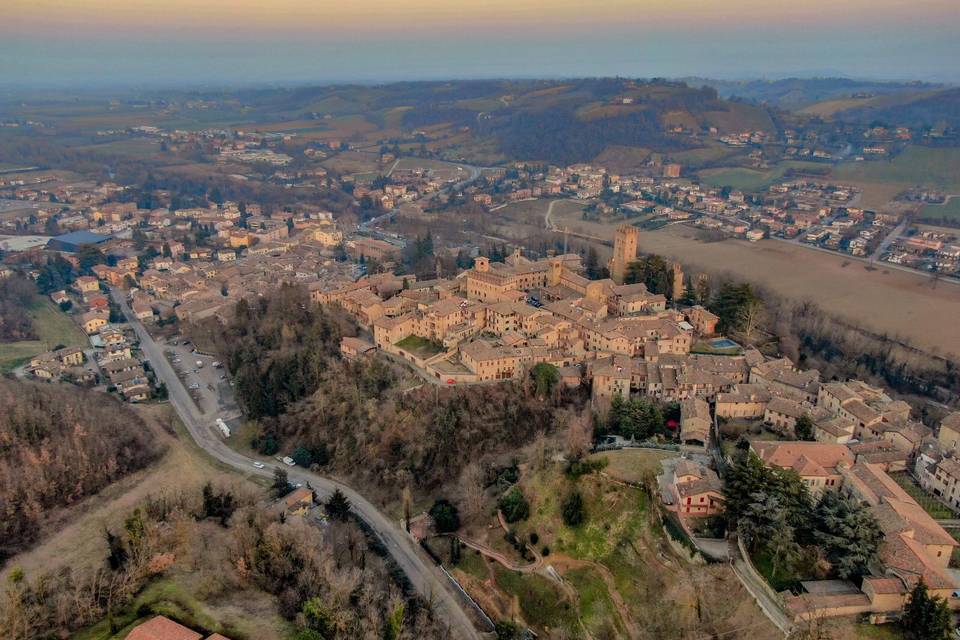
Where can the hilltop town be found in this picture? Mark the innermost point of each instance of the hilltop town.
(481, 369)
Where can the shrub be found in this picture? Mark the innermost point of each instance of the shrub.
(534, 538)
(446, 518)
(572, 509)
(514, 505)
(581, 467)
(302, 456)
(545, 551)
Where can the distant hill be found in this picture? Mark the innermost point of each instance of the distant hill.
(577, 121)
(797, 93)
(922, 109)
(551, 120)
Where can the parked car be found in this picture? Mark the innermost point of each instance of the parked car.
(259, 465)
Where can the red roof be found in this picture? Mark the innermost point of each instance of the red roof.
(161, 628)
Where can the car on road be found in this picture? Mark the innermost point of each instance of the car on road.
(195, 386)
(259, 465)
(287, 460)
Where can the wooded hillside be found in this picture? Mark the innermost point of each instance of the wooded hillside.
(58, 444)
(16, 295)
(362, 422)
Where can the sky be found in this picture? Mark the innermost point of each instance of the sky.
(153, 43)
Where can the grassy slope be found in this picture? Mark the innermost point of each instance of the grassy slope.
(619, 555)
(52, 326)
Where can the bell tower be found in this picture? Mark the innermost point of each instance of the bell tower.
(624, 251)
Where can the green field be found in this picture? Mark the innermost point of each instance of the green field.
(936, 212)
(933, 167)
(175, 597)
(52, 326)
(541, 602)
(597, 610)
(633, 465)
(752, 180)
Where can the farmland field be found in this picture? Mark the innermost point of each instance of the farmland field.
(852, 292)
(916, 166)
(744, 179)
(949, 210)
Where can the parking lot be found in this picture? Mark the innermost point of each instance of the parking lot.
(208, 384)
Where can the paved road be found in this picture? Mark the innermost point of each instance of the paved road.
(895, 233)
(425, 578)
(759, 591)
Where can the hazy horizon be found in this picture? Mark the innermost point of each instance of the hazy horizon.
(148, 43)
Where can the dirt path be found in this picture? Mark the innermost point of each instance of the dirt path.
(533, 567)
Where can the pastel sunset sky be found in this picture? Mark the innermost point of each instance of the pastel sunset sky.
(219, 42)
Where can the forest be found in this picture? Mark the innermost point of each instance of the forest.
(276, 348)
(16, 296)
(59, 444)
(360, 421)
(327, 583)
(360, 418)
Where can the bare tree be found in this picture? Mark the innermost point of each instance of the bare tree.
(751, 318)
(472, 481)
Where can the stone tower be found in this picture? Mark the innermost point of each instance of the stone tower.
(677, 281)
(624, 251)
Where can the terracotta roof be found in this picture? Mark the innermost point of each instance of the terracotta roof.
(885, 585)
(161, 628)
(819, 458)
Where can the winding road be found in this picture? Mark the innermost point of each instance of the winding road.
(424, 576)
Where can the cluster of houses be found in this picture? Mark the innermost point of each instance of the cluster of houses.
(915, 545)
(496, 320)
(926, 250)
(860, 436)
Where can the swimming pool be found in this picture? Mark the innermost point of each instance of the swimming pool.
(723, 343)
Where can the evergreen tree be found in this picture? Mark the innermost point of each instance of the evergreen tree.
(545, 376)
(281, 483)
(926, 617)
(514, 505)
(445, 516)
(338, 506)
(804, 428)
(847, 532)
(572, 510)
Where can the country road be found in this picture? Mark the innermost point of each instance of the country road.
(424, 576)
